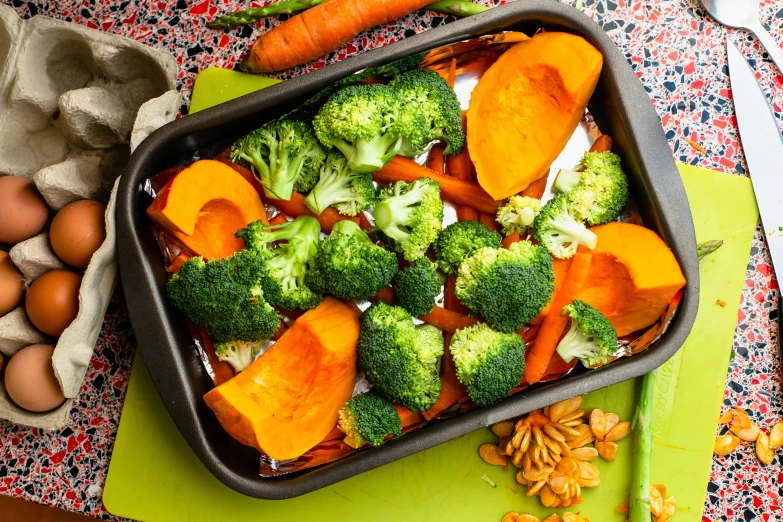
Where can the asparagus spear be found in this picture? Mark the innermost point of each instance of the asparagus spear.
(708, 247)
(248, 16)
(639, 510)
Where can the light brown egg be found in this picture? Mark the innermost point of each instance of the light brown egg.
(30, 380)
(53, 301)
(77, 231)
(23, 211)
(11, 284)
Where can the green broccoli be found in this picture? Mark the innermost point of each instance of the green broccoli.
(349, 265)
(288, 262)
(225, 296)
(591, 337)
(338, 187)
(598, 192)
(518, 214)
(363, 122)
(508, 287)
(460, 240)
(411, 215)
(416, 287)
(489, 363)
(425, 92)
(558, 230)
(284, 155)
(368, 418)
(399, 359)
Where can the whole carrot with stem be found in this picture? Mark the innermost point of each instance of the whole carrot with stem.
(249, 16)
(555, 323)
(322, 29)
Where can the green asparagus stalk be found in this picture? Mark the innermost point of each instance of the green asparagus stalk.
(639, 509)
(708, 247)
(249, 16)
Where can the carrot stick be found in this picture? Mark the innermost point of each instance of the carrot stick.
(529, 333)
(488, 220)
(458, 191)
(537, 359)
(295, 207)
(407, 417)
(322, 29)
(385, 294)
(450, 301)
(447, 320)
(535, 189)
(451, 390)
(602, 144)
(460, 167)
(511, 239)
(451, 77)
(436, 161)
(558, 367)
(175, 265)
(278, 220)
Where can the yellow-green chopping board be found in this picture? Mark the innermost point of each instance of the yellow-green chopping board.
(155, 477)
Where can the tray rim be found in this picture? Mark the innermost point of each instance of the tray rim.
(157, 333)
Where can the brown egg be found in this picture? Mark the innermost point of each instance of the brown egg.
(30, 380)
(23, 211)
(53, 301)
(11, 284)
(77, 231)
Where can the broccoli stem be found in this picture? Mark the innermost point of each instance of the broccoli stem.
(567, 180)
(642, 451)
(249, 16)
(372, 155)
(570, 227)
(396, 212)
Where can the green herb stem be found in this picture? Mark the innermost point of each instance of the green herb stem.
(642, 452)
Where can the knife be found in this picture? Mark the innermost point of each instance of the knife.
(763, 146)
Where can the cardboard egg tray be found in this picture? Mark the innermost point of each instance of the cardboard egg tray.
(70, 99)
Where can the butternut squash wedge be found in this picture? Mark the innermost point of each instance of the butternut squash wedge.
(633, 276)
(526, 107)
(204, 205)
(287, 401)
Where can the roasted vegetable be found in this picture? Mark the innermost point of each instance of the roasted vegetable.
(284, 155)
(598, 192)
(557, 230)
(591, 337)
(398, 358)
(288, 262)
(416, 287)
(226, 298)
(368, 418)
(459, 240)
(410, 215)
(489, 363)
(508, 287)
(518, 214)
(350, 266)
(339, 187)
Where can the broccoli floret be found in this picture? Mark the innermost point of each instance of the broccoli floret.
(368, 418)
(399, 359)
(591, 337)
(425, 92)
(489, 363)
(599, 192)
(416, 287)
(283, 154)
(288, 262)
(508, 287)
(349, 265)
(518, 214)
(411, 215)
(349, 192)
(460, 240)
(239, 354)
(558, 230)
(225, 296)
(363, 122)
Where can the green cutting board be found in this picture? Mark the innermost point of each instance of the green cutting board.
(154, 476)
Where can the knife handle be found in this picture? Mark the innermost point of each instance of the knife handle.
(769, 43)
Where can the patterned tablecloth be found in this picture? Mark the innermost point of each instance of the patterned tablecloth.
(677, 51)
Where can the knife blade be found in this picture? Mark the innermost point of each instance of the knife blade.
(763, 146)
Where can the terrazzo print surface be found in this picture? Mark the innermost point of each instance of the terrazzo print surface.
(679, 55)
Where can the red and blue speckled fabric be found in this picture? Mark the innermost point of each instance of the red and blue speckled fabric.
(676, 51)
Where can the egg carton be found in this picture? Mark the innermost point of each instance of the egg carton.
(71, 101)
